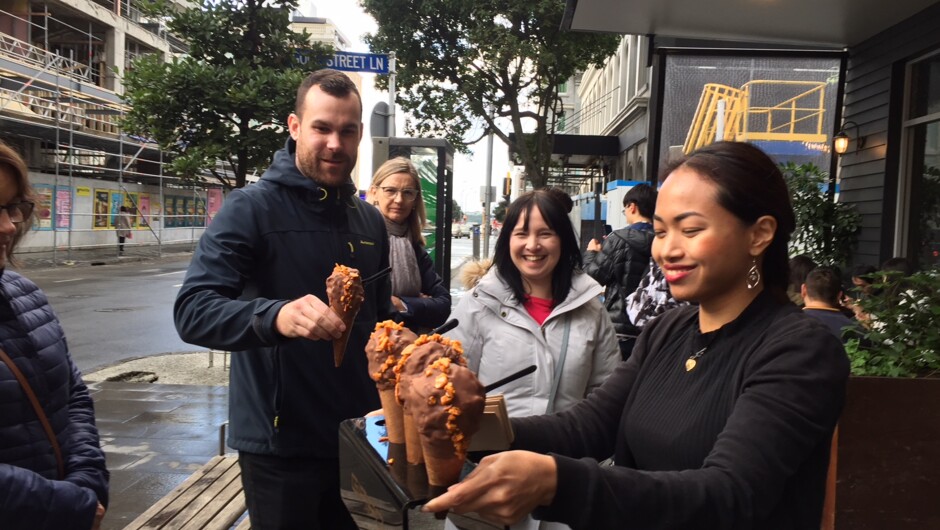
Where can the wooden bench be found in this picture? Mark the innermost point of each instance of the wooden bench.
(211, 498)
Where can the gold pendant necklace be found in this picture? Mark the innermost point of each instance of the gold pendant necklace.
(691, 361)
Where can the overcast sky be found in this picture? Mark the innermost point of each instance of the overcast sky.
(469, 172)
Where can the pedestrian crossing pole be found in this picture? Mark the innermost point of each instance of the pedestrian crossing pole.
(391, 95)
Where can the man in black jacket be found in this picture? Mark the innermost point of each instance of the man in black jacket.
(621, 262)
(257, 286)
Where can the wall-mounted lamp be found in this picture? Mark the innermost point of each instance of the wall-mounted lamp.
(840, 142)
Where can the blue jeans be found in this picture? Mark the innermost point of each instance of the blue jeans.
(293, 493)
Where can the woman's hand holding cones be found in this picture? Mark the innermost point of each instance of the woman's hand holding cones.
(504, 488)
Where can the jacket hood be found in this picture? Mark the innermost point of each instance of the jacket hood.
(473, 271)
(493, 292)
(284, 171)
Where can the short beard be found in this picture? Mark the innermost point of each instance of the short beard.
(309, 168)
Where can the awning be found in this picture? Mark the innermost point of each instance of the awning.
(818, 23)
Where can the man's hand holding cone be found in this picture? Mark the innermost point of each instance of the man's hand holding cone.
(346, 294)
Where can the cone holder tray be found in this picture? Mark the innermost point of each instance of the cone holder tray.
(380, 488)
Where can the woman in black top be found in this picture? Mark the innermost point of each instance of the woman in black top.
(723, 416)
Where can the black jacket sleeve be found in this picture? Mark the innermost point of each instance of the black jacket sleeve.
(208, 311)
(606, 266)
(433, 310)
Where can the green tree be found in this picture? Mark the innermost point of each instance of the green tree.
(499, 212)
(466, 62)
(826, 231)
(456, 211)
(227, 99)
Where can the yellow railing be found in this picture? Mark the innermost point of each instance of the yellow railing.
(751, 114)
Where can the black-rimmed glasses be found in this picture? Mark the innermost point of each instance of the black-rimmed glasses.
(408, 194)
(18, 211)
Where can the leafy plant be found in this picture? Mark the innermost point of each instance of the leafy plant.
(901, 338)
(228, 98)
(826, 231)
(463, 63)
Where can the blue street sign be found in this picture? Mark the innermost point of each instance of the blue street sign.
(359, 62)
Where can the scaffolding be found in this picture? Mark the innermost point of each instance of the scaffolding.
(761, 110)
(55, 109)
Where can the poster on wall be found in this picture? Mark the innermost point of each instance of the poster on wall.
(101, 209)
(143, 209)
(200, 218)
(169, 212)
(43, 210)
(186, 210)
(63, 207)
(117, 200)
(214, 203)
(131, 201)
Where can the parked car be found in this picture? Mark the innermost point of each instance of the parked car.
(458, 231)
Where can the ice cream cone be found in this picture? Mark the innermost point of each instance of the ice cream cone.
(442, 470)
(339, 345)
(413, 441)
(394, 417)
(345, 293)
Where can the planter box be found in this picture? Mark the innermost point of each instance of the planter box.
(888, 457)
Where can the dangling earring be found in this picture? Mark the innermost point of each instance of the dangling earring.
(753, 275)
(375, 202)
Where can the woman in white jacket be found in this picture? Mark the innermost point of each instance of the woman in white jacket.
(535, 306)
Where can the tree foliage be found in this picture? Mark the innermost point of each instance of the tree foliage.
(826, 231)
(456, 212)
(466, 62)
(227, 99)
(901, 337)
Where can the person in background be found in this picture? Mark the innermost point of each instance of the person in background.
(418, 293)
(723, 415)
(651, 298)
(52, 479)
(122, 225)
(622, 261)
(862, 277)
(899, 265)
(800, 265)
(534, 305)
(821, 293)
(256, 286)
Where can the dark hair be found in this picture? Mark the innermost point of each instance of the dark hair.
(562, 197)
(554, 205)
(333, 82)
(12, 162)
(123, 209)
(824, 284)
(898, 264)
(800, 266)
(750, 185)
(644, 196)
(864, 272)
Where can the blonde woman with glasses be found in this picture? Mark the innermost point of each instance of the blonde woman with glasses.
(418, 292)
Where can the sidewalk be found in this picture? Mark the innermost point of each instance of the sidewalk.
(154, 436)
(79, 257)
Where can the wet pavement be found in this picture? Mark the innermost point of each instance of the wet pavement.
(154, 436)
(80, 257)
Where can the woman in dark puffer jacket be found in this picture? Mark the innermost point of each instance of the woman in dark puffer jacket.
(32, 493)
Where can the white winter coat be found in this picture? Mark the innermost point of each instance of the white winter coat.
(500, 337)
